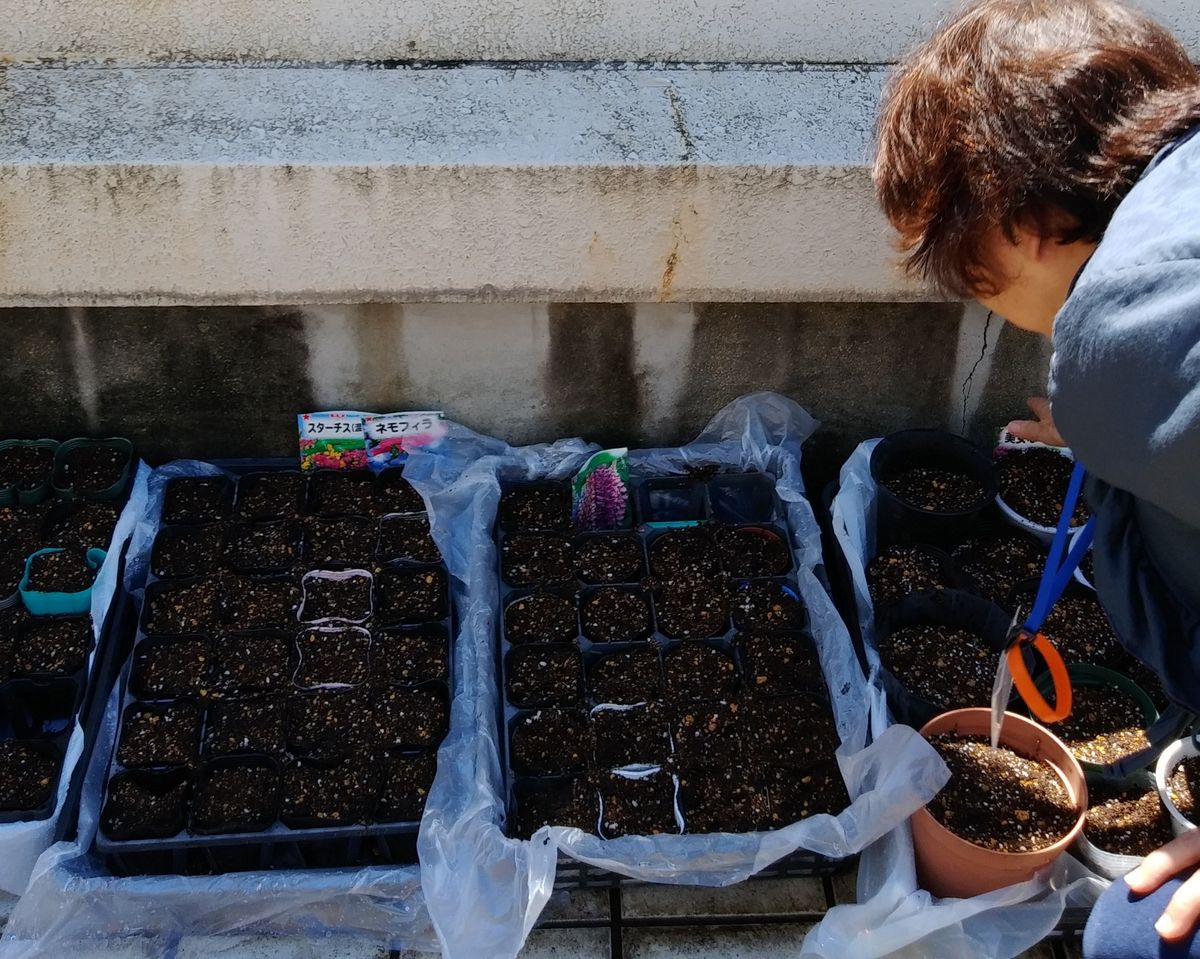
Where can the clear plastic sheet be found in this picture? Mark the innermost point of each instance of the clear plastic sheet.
(72, 901)
(893, 916)
(485, 891)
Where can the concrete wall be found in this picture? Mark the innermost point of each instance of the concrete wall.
(213, 381)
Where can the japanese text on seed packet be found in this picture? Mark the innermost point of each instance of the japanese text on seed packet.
(350, 439)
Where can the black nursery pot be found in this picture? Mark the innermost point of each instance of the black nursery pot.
(897, 520)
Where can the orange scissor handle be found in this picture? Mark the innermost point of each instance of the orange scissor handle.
(1024, 682)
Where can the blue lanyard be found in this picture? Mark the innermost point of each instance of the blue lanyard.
(1058, 570)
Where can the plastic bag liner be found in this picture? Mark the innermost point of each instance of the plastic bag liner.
(72, 901)
(893, 915)
(485, 891)
(22, 842)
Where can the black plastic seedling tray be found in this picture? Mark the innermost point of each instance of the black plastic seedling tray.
(721, 502)
(276, 844)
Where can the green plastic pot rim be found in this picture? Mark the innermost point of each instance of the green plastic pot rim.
(41, 603)
(10, 495)
(110, 493)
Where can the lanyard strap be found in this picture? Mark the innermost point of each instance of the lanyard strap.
(1059, 570)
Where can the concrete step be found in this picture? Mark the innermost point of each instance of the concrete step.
(223, 184)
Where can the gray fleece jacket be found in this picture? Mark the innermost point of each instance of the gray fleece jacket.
(1125, 392)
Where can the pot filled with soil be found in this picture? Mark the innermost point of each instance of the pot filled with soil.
(1177, 776)
(404, 784)
(627, 678)
(566, 801)
(681, 557)
(342, 493)
(406, 538)
(608, 558)
(1005, 813)
(1032, 487)
(930, 483)
(146, 804)
(754, 551)
(26, 467)
(797, 794)
(235, 795)
(80, 525)
(995, 559)
(268, 496)
(94, 469)
(173, 668)
(410, 655)
(549, 742)
(780, 664)
(260, 602)
(900, 571)
(1126, 821)
(693, 610)
(536, 559)
(316, 794)
(615, 614)
(541, 617)
(197, 499)
(53, 646)
(1110, 716)
(29, 771)
(183, 551)
(639, 803)
(331, 657)
(407, 595)
(715, 799)
(166, 734)
(347, 541)
(395, 494)
(58, 582)
(698, 671)
(544, 675)
(273, 547)
(252, 661)
(1077, 625)
(337, 596)
(767, 606)
(630, 735)
(536, 505)
(251, 724)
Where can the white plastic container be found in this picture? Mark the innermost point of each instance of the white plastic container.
(1171, 757)
(1043, 533)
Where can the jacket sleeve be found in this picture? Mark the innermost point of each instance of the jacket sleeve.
(1125, 381)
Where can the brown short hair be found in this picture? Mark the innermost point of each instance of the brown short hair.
(1039, 113)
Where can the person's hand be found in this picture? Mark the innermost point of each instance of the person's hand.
(1183, 911)
(1039, 430)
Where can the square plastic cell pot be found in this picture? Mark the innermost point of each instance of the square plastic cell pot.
(670, 500)
(116, 491)
(10, 495)
(898, 520)
(742, 498)
(1171, 757)
(949, 866)
(58, 604)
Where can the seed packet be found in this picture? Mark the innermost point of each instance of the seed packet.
(601, 492)
(332, 440)
(390, 436)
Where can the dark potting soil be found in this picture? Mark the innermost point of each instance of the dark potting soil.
(253, 725)
(407, 538)
(694, 611)
(544, 676)
(1146, 679)
(561, 802)
(1106, 724)
(625, 678)
(902, 570)
(135, 810)
(530, 559)
(708, 732)
(336, 596)
(630, 735)
(772, 731)
(1080, 630)
(25, 467)
(540, 618)
(88, 526)
(998, 561)
(411, 596)
(93, 469)
(26, 776)
(348, 541)
(765, 606)
(998, 799)
(722, 800)
(328, 725)
(637, 807)
(698, 671)
(1087, 566)
(1129, 820)
(550, 742)
(55, 646)
(328, 795)
(66, 571)
(1033, 482)
(943, 665)
(252, 662)
(251, 603)
(171, 669)
(408, 718)
(343, 493)
(332, 657)
(263, 547)
(12, 568)
(752, 551)
(609, 558)
(270, 496)
(1183, 786)
(13, 621)
(684, 556)
(196, 499)
(410, 656)
(613, 614)
(936, 490)
(186, 551)
(236, 798)
(404, 784)
(395, 494)
(192, 607)
(781, 663)
(536, 507)
(160, 736)
(796, 794)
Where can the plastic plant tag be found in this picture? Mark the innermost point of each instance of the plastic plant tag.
(332, 440)
(390, 437)
(1001, 691)
(600, 491)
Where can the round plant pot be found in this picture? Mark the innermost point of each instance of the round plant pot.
(1110, 865)
(10, 495)
(58, 604)
(898, 520)
(1043, 533)
(1171, 757)
(951, 867)
(116, 491)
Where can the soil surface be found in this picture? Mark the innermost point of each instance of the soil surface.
(251, 603)
(697, 610)
(536, 507)
(181, 608)
(609, 558)
(530, 559)
(1105, 725)
(626, 678)
(253, 662)
(1184, 787)
(407, 538)
(409, 718)
(342, 493)
(270, 495)
(328, 725)
(26, 776)
(544, 676)
(345, 598)
(902, 570)
(253, 725)
(684, 556)
(263, 547)
(637, 807)
(404, 784)
(174, 668)
(54, 646)
(25, 467)
(66, 571)
(997, 562)
(1080, 630)
(781, 663)
(796, 794)
(411, 596)
(348, 541)
(138, 811)
(317, 794)
(1034, 481)
(770, 731)
(181, 551)
(630, 736)
(236, 798)
(698, 671)
(410, 656)
(196, 499)
(722, 800)
(93, 469)
(943, 665)
(614, 614)
(84, 526)
(753, 551)
(708, 732)
(765, 606)
(540, 618)
(395, 494)
(160, 736)
(563, 802)
(550, 742)
(1000, 800)
(1130, 820)
(937, 490)
(332, 657)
